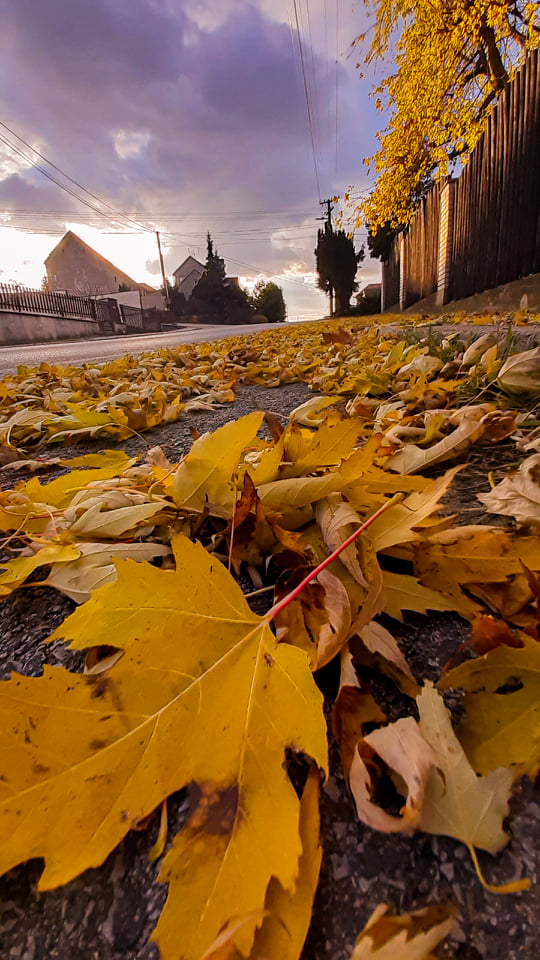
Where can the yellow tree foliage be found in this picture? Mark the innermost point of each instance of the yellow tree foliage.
(453, 58)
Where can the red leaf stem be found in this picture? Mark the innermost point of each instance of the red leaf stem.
(273, 612)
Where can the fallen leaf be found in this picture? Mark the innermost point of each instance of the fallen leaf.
(205, 475)
(520, 374)
(94, 566)
(457, 803)
(502, 705)
(86, 757)
(16, 571)
(287, 916)
(354, 709)
(401, 746)
(319, 620)
(518, 495)
(411, 458)
(387, 656)
(403, 592)
(473, 554)
(408, 936)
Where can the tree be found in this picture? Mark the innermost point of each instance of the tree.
(453, 59)
(209, 294)
(337, 263)
(267, 298)
(216, 297)
(176, 300)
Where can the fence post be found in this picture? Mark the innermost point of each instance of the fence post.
(402, 273)
(446, 233)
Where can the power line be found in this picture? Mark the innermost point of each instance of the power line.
(315, 98)
(151, 216)
(67, 177)
(310, 118)
(36, 166)
(337, 83)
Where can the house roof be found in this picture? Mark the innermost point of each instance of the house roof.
(124, 277)
(189, 264)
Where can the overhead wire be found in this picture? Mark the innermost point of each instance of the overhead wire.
(67, 176)
(337, 86)
(308, 104)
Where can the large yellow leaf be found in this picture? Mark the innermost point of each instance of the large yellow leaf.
(205, 475)
(502, 707)
(286, 916)
(202, 695)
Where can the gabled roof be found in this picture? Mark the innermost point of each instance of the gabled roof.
(70, 237)
(190, 264)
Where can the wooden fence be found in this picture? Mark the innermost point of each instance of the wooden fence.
(421, 248)
(490, 235)
(496, 234)
(390, 277)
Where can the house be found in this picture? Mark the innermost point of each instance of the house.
(76, 268)
(187, 275)
(369, 298)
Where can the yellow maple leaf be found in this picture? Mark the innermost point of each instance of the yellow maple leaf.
(202, 695)
(205, 475)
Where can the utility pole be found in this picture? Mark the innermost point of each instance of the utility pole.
(165, 284)
(329, 208)
(328, 221)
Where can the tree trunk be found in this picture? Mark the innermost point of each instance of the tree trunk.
(498, 75)
(343, 304)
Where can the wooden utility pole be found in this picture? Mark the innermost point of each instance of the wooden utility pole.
(328, 221)
(165, 284)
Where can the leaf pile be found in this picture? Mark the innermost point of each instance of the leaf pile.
(198, 691)
(55, 404)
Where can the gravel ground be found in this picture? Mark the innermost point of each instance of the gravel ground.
(108, 913)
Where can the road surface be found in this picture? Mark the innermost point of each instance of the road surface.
(106, 348)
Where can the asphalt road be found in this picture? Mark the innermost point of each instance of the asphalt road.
(106, 348)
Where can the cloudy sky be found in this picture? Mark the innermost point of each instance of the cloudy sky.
(183, 116)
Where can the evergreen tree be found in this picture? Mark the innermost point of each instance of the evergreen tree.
(209, 294)
(215, 297)
(337, 263)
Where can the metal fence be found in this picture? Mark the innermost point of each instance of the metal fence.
(16, 299)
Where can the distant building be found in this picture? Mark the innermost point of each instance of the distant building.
(145, 299)
(187, 275)
(369, 298)
(75, 267)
